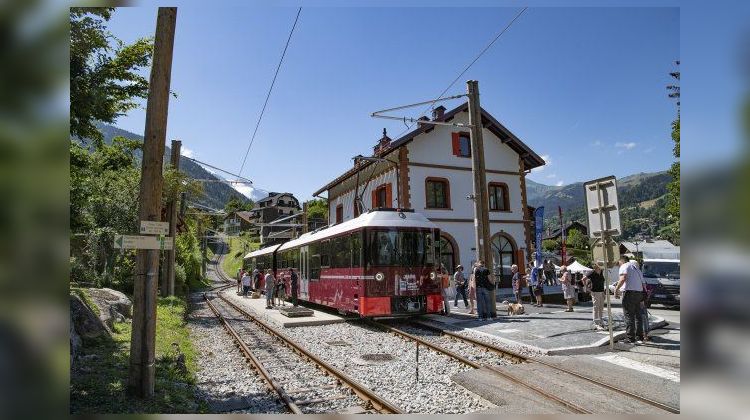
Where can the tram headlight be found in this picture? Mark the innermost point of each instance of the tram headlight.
(432, 275)
(379, 276)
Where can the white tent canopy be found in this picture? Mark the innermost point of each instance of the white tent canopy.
(577, 267)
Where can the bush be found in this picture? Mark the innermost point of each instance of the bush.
(180, 279)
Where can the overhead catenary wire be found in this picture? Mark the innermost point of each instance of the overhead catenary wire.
(467, 67)
(270, 89)
(218, 169)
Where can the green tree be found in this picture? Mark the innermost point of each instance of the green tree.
(237, 204)
(104, 72)
(550, 245)
(577, 240)
(317, 209)
(673, 188)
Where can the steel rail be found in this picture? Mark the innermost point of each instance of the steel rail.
(520, 358)
(257, 363)
(379, 403)
(575, 408)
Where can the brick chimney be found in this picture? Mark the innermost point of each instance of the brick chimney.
(438, 113)
(383, 144)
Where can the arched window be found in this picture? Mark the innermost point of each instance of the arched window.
(382, 196)
(498, 193)
(437, 193)
(503, 256)
(447, 254)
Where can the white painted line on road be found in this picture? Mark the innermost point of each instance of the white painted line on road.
(508, 330)
(643, 367)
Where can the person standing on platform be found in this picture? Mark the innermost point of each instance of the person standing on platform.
(270, 285)
(256, 280)
(538, 281)
(240, 273)
(472, 292)
(568, 288)
(515, 282)
(632, 278)
(549, 272)
(595, 283)
(485, 288)
(460, 281)
(280, 291)
(245, 284)
(530, 281)
(294, 280)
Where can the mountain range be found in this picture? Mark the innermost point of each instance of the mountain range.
(631, 190)
(217, 194)
(637, 189)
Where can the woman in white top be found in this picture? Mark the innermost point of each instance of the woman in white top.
(567, 287)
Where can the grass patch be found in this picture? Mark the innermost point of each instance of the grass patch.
(100, 384)
(233, 260)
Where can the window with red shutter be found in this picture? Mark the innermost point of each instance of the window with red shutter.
(461, 143)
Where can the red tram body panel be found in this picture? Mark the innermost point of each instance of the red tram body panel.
(383, 263)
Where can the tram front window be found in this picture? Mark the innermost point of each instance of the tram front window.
(408, 248)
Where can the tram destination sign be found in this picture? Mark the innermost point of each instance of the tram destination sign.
(154, 228)
(143, 242)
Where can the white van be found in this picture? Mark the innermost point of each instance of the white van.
(662, 276)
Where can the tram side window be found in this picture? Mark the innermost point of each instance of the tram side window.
(325, 254)
(295, 258)
(355, 243)
(314, 253)
(343, 252)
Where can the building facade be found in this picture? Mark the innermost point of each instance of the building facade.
(429, 170)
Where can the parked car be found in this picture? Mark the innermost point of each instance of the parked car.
(662, 276)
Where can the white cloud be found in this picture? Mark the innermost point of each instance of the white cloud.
(649, 150)
(597, 143)
(184, 151)
(626, 146)
(547, 162)
(244, 189)
(560, 183)
(550, 176)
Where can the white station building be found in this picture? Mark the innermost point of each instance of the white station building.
(430, 171)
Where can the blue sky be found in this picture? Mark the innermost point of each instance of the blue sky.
(584, 87)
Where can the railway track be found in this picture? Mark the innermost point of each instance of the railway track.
(293, 373)
(439, 339)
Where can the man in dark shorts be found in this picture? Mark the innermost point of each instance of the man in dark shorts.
(595, 282)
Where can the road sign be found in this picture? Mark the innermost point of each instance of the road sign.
(154, 228)
(613, 251)
(602, 208)
(143, 242)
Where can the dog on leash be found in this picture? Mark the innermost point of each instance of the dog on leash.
(514, 308)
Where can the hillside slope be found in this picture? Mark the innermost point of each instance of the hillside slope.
(640, 197)
(217, 194)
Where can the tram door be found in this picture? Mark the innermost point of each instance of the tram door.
(304, 270)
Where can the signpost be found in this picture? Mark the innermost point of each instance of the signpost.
(144, 242)
(154, 228)
(604, 223)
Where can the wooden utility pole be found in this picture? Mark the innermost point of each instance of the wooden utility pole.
(481, 202)
(172, 214)
(143, 337)
(304, 216)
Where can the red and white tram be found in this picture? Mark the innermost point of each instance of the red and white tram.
(382, 263)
